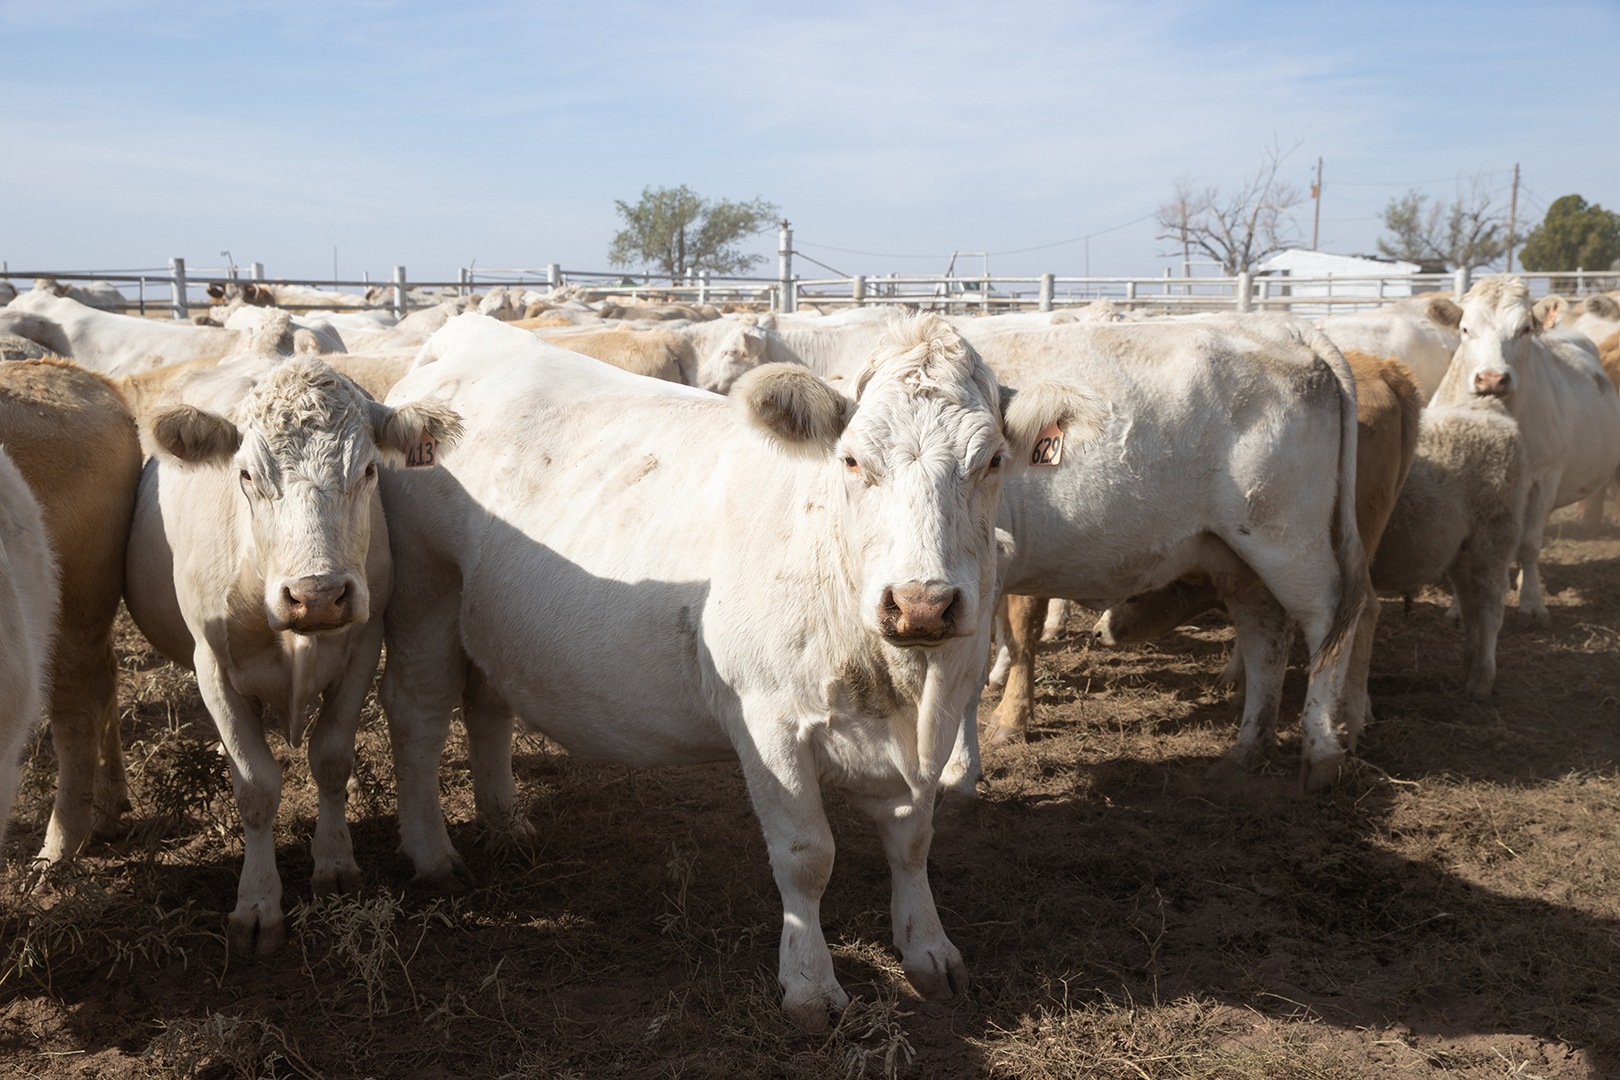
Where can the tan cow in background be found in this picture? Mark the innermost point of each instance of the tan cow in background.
(73, 440)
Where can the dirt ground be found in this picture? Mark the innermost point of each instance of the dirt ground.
(1449, 908)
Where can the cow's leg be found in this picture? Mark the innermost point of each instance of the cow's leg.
(421, 684)
(931, 962)
(1262, 641)
(1357, 704)
(489, 723)
(1536, 512)
(959, 780)
(1017, 709)
(256, 924)
(1003, 655)
(83, 707)
(1478, 580)
(785, 792)
(331, 762)
(1057, 617)
(1592, 508)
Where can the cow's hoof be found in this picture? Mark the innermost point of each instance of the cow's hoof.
(513, 830)
(1234, 768)
(1537, 616)
(813, 1014)
(1316, 775)
(335, 878)
(447, 881)
(251, 931)
(1007, 736)
(945, 979)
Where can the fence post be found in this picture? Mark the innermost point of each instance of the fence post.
(703, 287)
(256, 271)
(857, 289)
(399, 292)
(1264, 292)
(1048, 286)
(784, 267)
(1243, 286)
(463, 281)
(177, 287)
(1459, 283)
(1130, 294)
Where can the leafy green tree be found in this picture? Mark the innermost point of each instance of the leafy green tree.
(676, 230)
(1470, 232)
(1575, 235)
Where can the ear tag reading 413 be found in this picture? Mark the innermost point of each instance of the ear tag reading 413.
(1048, 446)
(424, 455)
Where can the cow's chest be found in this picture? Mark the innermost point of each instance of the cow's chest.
(284, 670)
(865, 738)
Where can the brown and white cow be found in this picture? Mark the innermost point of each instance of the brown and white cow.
(69, 434)
(259, 558)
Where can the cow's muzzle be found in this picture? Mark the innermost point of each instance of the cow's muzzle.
(1492, 384)
(322, 602)
(920, 613)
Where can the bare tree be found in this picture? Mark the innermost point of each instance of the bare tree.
(1239, 228)
(1470, 232)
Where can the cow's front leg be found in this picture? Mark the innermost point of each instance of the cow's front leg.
(1536, 511)
(786, 794)
(489, 722)
(1025, 614)
(930, 961)
(331, 761)
(257, 924)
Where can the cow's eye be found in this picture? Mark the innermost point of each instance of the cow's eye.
(371, 470)
(851, 464)
(995, 462)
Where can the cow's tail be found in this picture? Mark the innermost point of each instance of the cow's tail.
(1351, 558)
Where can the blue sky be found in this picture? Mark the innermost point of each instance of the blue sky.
(432, 135)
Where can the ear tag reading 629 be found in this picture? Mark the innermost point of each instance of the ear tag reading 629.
(1048, 448)
(424, 455)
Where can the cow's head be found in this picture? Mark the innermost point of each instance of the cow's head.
(304, 445)
(916, 461)
(742, 350)
(1498, 330)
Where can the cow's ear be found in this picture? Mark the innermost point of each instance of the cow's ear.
(1443, 310)
(1547, 311)
(791, 407)
(189, 434)
(402, 431)
(1077, 412)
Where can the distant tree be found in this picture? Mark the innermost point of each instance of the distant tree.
(676, 230)
(1575, 235)
(1239, 228)
(1470, 232)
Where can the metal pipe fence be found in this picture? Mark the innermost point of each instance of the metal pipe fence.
(179, 288)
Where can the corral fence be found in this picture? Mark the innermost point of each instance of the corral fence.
(176, 289)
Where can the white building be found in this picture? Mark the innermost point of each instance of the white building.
(1296, 272)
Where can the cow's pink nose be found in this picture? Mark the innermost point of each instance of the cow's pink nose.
(1491, 384)
(919, 612)
(324, 602)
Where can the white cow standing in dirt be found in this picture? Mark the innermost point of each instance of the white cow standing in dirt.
(28, 610)
(259, 558)
(1555, 387)
(650, 574)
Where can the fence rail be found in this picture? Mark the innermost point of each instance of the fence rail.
(1303, 295)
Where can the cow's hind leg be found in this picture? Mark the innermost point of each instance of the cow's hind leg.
(931, 962)
(1262, 643)
(331, 761)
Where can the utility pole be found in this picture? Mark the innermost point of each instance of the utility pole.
(1513, 217)
(1316, 196)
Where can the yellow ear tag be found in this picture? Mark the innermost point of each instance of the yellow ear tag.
(1048, 446)
(424, 455)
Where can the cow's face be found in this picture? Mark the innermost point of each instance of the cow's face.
(1498, 330)
(739, 352)
(303, 451)
(917, 461)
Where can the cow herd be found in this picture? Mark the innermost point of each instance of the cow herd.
(788, 540)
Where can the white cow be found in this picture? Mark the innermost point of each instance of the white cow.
(259, 558)
(1230, 453)
(121, 344)
(802, 580)
(1554, 386)
(1421, 332)
(28, 611)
